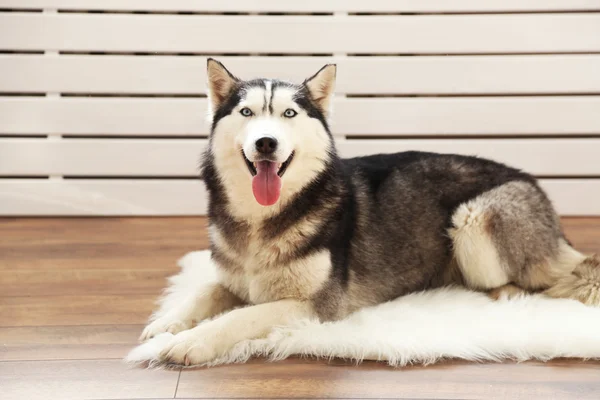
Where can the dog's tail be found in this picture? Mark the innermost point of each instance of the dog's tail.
(583, 283)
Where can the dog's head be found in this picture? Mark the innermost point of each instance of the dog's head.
(269, 138)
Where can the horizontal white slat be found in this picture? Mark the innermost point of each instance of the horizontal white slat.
(308, 5)
(502, 115)
(387, 75)
(275, 34)
(359, 116)
(187, 197)
(574, 197)
(536, 156)
(34, 157)
(100, 157)
(101, 197)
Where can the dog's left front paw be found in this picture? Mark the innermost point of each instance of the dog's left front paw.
(196, 346)
(162, 325)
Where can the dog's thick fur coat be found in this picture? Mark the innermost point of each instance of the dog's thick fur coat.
(344, 234)
(420, 328)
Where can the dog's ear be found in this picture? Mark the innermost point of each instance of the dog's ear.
(321, 86)
(220, 83)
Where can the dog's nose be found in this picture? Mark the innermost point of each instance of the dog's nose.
(266, 145)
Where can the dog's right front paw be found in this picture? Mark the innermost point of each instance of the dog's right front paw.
(164, 324)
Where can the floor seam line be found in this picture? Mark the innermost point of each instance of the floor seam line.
(177, 384)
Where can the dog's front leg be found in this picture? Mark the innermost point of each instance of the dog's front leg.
(187, 303)
(214, 338)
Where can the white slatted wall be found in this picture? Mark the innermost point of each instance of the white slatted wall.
(102, 102)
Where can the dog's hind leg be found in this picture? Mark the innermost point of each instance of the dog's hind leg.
(510, 237)
(582, 283)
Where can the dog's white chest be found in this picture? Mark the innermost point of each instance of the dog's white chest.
(298, 279)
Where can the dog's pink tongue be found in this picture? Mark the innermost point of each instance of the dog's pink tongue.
(266, 184)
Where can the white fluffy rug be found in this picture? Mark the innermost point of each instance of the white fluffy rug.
(422, 328)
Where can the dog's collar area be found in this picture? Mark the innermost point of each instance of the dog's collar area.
(252, 167)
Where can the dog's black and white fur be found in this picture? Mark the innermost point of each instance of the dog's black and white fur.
(350, 233)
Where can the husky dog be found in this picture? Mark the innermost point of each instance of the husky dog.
(296, 232)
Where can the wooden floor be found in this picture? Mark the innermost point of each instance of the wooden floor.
(74, 294)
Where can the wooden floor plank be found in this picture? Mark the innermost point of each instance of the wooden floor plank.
(170, 229)
(68, 342)
(84, 281)
(584, 233)
(98, 243)
(76, 310)
(527, 381)
(83, 379)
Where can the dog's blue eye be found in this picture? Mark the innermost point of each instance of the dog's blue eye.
(289, 113)
(246, 112)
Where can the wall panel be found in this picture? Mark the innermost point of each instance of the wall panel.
(103, 102)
